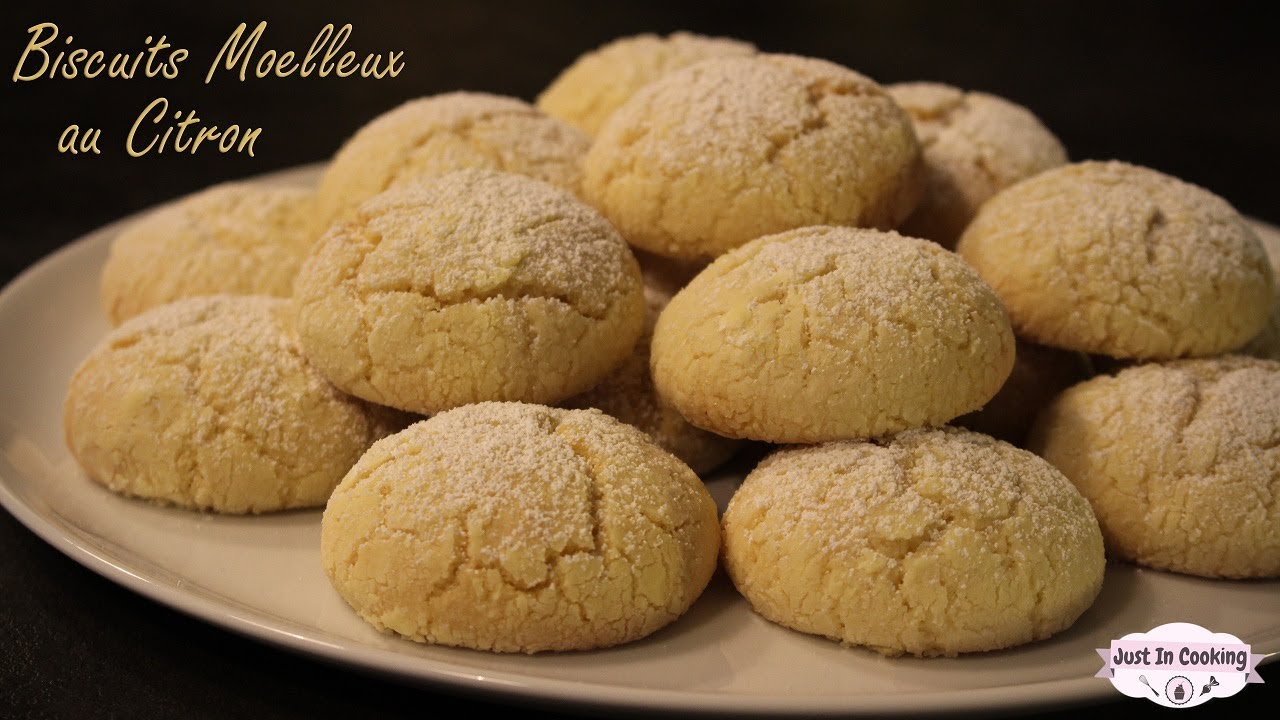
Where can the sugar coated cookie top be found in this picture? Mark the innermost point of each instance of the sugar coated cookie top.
(439, 134)
(1179, 460)
(730, 149)
(599, 82)
(975, 145)
(238, 238)
(520, 528)
(933, 542)
(473, 286)
(828, 333)
(208, 403)
(1119, 260)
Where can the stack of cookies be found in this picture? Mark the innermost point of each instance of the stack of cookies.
(688, 244)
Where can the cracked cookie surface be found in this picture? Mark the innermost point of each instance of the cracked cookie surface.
(473, 286)
(442, 133)
(235, 238)
(1180, 460)
(730, 149)
(208, 403)
(599, 82)
(520, 528)
(974, 145)
(933, 542)
(828, 333)
(1119, 260)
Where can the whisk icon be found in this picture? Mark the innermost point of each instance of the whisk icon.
(1143, 680)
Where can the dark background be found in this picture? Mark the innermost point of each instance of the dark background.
(1187, 88)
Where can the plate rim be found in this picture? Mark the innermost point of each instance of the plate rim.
(446, 676)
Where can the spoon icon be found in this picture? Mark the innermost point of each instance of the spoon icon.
(1143, 680)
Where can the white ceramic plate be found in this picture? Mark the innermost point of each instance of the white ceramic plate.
(261, 576)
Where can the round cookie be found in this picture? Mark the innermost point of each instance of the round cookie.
(1179, 460)
(207, 403)
(975, 145)
(934, 542)
(828, 333)
(599, 82)
(1266, 344)
(731, 149)
(519, 528)
(1119, 260)
(628, 395)
(236, 238)
(1039, 374)
(440, 134)
(468, 287)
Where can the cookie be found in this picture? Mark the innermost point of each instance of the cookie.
(628, 395)
(829, 333)
(439, 134)
(235, 238)
(519, 528)
(1179, 461)
(975, 145)
(599, 82)
(934, 542)
(472, 286)
(1039, 374)
(731, 149)
(1119, 260)
(208, 404)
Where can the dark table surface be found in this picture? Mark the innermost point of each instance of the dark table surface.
(1186, 88)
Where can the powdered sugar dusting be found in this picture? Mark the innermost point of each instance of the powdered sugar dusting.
(558, 480)
(932, 542)
(439, 134)
(235, 238)
(1120, 260)
(896, 496)
(1181, 461)
(518, 527)
(596, 84)
(731, 149)
(209, 402)
(477, 233)
(974, 145)
(828, 333)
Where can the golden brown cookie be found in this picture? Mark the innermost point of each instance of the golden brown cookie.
(439, 134)
(208, 403)
(599, 82)
(933, 542)
(975, 145)
(829, 333)
(1119, 260)
(1180, 460)
(725, 151)
(472, 286)
(236, 238)
(520, 528)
